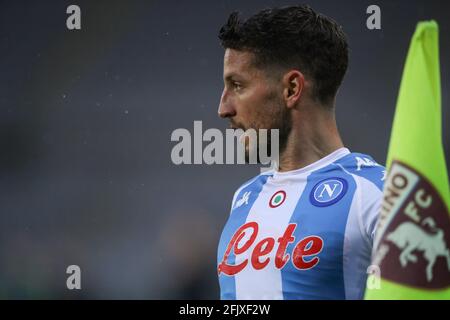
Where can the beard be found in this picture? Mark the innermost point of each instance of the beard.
(284, 126)
(278, 118)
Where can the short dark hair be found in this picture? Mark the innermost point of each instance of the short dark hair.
(293, 37)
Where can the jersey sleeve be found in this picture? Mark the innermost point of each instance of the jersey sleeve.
(370, 176)
(370, 210)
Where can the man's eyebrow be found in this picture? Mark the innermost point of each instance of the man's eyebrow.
(231, 77)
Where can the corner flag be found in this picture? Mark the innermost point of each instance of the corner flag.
(412, 243)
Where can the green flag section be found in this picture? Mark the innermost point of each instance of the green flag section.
(411, 247)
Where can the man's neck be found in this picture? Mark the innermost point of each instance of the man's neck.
(309, 141)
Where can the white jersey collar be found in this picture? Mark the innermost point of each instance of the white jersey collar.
(332, 157)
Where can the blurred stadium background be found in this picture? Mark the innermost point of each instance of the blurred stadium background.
(85, 122)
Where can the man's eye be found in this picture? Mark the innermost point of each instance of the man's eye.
(237, 86)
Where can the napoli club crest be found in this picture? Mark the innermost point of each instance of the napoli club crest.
(328, 192)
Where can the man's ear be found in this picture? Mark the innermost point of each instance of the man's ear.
(293, 84)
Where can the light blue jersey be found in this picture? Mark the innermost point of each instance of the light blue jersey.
(303, 234)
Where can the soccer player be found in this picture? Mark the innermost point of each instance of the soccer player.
(305, 230)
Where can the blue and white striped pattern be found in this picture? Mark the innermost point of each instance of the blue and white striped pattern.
(348, 190)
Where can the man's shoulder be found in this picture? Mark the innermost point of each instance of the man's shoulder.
(255, 181)
(251, 185)
(364, 166)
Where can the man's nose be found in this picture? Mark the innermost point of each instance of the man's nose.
(226, 108)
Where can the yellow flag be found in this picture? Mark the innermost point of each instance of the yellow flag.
(411, 247)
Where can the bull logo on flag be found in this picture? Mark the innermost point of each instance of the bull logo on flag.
(409, 237)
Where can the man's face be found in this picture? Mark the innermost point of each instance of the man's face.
(251, 99)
